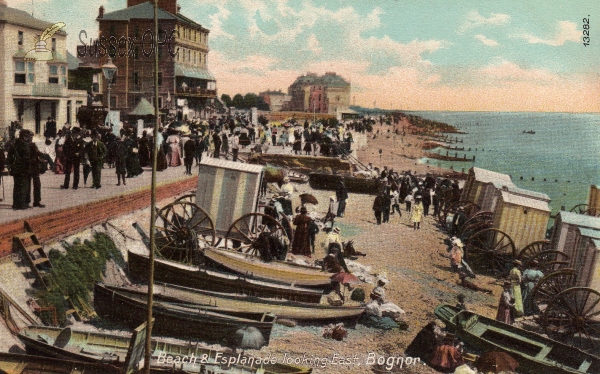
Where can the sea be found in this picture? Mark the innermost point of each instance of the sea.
(554, 153)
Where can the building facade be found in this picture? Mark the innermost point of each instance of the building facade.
(275, 99)
(328, 93)
(32, 87)
(186, 86)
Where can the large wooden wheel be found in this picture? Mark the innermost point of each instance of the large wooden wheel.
(532, 249)
(551, 285)
(476, 222)
(548, 261)
(447, 217)
(188, 198)
(579, 209)
(244, 233)
(182, 230)
(572, 317)
(489, 251)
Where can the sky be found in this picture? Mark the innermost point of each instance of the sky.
(397, 54)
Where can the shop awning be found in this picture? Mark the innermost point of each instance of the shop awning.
(193, 72)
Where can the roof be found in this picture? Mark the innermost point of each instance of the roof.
(528, 193)
(193, 72)
(73, 61)
(596, 243)
(143, 108)
(239, 166)
(590, 233)
(488, 176)
(145, 11)
(328, 80)
(580, 220)
(514, 199)
(18, 17)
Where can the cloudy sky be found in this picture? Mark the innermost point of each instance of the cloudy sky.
(403, 54)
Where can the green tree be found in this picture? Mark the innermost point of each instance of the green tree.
(226, 99)
(238, 101)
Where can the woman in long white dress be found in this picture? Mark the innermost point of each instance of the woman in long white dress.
(174, 153)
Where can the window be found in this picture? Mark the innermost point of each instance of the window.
(136, 53)
(20, 37)
(160, 78)
(195, 57)
(53, 44)
(53, 74)
(189, 56)
(20, 73)
(30, 72)
(136, 78)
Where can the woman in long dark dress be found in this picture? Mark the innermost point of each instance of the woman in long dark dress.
(133, 161)
(120, 158)
(144, 150)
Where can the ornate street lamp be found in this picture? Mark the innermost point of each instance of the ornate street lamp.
(109, 70)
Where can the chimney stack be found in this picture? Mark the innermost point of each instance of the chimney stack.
(101, 12)
(168, 5)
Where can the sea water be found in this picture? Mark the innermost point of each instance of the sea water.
(561, 159)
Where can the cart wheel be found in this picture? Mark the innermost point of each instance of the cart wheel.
(468, 208)
(551, 285)
(488, 251)
(475, 222)
(532, 249)
(572, 317)
(189, 198)
(548, 261)
(579, 208)
(182, 230)
(244, 232)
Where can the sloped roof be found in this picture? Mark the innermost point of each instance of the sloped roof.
(528, 193)
(590, 233)
(193, 72)
(239, 166)
(144, 108)
(514, 199)
(328, 80)
(580, 220)
(73, 61)
(488, 176)
(145, 11)
(18, 17)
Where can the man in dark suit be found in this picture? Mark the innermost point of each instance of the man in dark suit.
(217, 143)
(73, 153)
(18, 163)
(96, 151)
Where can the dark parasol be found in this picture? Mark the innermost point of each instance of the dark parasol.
(307, 198)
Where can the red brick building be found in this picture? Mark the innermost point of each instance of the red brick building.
(186, 86)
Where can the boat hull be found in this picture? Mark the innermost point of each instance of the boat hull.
(176, 322)
(169, 272)
(276, 271)
(244, 306)
(535, 353)
(28, 364)
(355, 185)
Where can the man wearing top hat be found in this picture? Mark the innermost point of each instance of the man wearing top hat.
(96, 151)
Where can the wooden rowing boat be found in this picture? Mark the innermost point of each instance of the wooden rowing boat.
(321, 181)
(534, 352)
(278, 271)
(211, 280)
(241, 306)
(30, 364)
(178, 321)
(92, 346)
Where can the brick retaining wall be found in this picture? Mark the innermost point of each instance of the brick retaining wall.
(68, 221)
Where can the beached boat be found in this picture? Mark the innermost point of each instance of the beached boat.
(321, 181)
(94, 346)
(278, 271)
(211, 280)
(30, 364)
(176, 320)
(244, 306)
(535, 353)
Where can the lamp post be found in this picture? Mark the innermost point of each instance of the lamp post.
(109, 70)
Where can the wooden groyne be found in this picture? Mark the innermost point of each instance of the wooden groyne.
(448, 157)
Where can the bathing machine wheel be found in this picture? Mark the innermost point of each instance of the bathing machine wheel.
(489, 251)
(250, 230)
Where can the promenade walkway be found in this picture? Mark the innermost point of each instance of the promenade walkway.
(68, 211)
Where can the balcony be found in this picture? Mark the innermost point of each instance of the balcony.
(40, 90)
(196, 92)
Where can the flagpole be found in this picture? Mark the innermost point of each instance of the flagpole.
(148, 351)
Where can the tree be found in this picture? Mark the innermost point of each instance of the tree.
(226, 99)
(238, 101)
